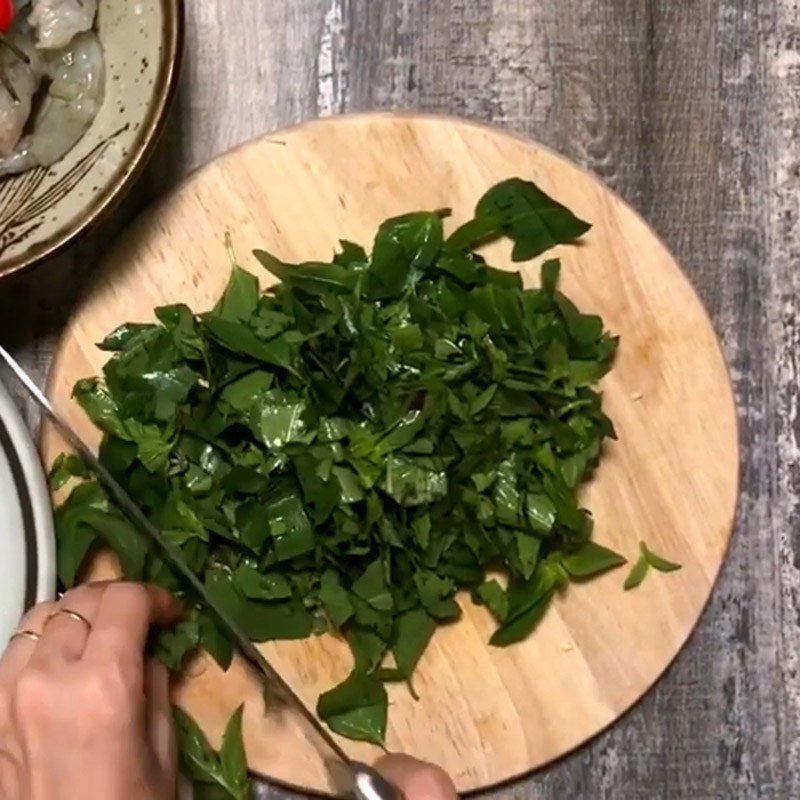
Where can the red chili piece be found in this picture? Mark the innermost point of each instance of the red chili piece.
(6, 14)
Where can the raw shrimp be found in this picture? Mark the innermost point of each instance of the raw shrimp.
(58, 21)
(77, 75)
(24, 80)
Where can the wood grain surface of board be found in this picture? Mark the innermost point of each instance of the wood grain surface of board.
(485, 714)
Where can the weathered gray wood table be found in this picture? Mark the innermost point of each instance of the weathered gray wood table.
(690, 109)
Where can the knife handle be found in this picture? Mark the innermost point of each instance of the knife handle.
(369, 784)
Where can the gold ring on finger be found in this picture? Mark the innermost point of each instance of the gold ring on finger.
(68, 612)
(32, 635)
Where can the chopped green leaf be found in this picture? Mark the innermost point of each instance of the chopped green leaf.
(637, 574)
(335, 598)
(351, 449)
(493, 596)
(591, 559)
(414, 630)
(66, 467)
(657, 562)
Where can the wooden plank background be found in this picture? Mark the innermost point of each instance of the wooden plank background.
(690, 109)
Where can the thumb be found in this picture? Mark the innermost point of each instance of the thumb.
(417, 780)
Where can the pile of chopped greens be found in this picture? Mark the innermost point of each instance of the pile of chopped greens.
(348, 450)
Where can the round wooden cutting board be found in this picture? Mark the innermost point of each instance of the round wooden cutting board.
(484, 714)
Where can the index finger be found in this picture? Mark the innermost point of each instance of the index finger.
(124, 617)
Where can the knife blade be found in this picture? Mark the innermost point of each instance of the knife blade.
(364, 782)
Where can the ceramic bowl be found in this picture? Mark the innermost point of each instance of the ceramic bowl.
(27, 544)
(46, 209)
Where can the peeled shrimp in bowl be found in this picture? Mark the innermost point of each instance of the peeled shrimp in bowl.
(23, 78)
(49, 98)
(57, 22)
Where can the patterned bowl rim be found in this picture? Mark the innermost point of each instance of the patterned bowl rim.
(111, 195)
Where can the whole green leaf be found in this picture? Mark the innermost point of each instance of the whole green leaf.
(240, 299)
(522, 625)
(198, 759)
(232, 758)
(356, 708)
(404, 246)
(226, 770)
(532, 219)
(311, 277)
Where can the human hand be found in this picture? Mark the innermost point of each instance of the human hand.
(83, 714)
(417, 780)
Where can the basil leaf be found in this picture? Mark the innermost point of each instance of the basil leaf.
(356, 708)
(240, 299)
(371, 586)
(311, 277)
(214, 640)
(232, 758)
(591, 559)
(414, 630)
(532, 219)
(259, 586)
(367, 647)
(224, 774)
(403, 247)
(335, 598)
(65, 468)
(657, 562)
(522, 625)
(349, 450)
(173, 645)
(493, 596)
(198, 759)
(637, 574)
